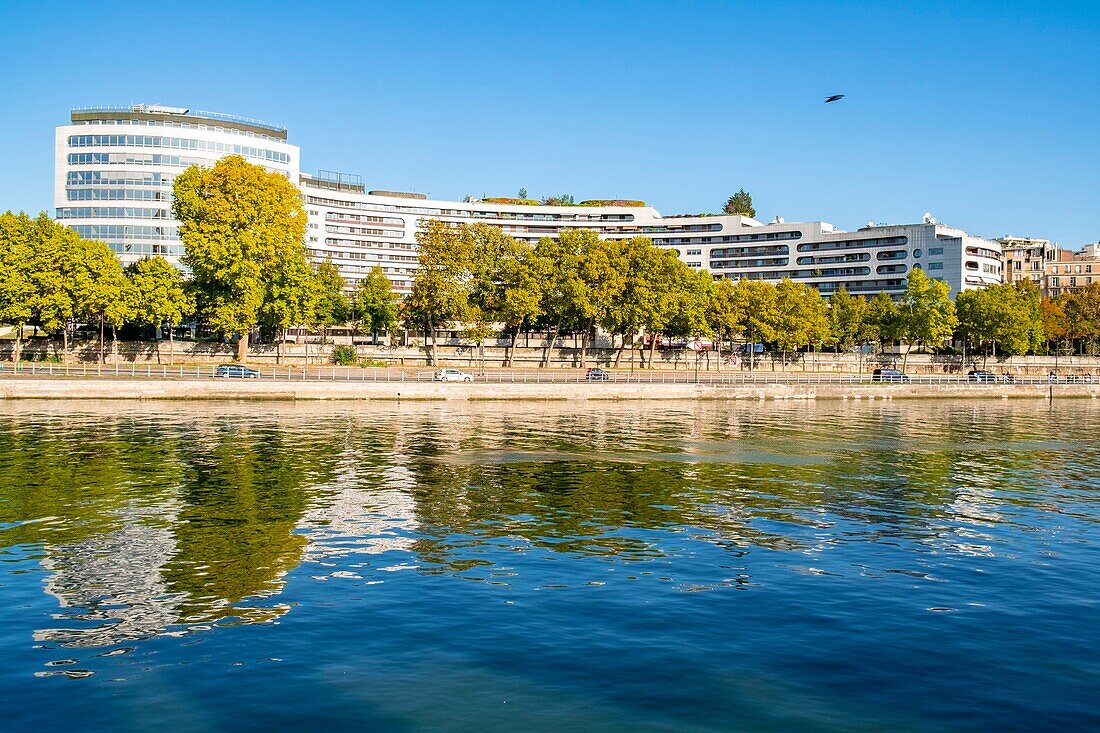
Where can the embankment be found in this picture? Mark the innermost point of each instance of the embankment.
(210, 389)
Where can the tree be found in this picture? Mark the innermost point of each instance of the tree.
(755, 302)
(100, 291)
(243, 229)
(331, 306)
(522, 193)
(376, 303)
(723, 314)
(848, 320)
(1083, 312)
(740, 203)
(926, 311)
(601, 278)
(563, 287)
(803, 317)
(884, 320)
(160, 297)
(441, 289)
(17, 291)
(1007, 315)
(1056, 326)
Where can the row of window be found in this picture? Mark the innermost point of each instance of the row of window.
(364, 231)
(117, 194)
(122, 178)
(125, 231)
(336, 242)
(138, 248)
(183, 143)
(855, 244)
(181, 161)
(339, 216)
(112, 212)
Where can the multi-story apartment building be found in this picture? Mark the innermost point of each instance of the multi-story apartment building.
(115, 170)
(1027, 258)
(1070, 271)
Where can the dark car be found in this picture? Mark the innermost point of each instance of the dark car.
(236, 371)
(889, 375)
(981, 375)
(597, 375)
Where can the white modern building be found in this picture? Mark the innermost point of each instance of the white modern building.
(114, 179)
(359, 229)
(114, 168)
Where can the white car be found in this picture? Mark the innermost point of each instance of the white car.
(452, 375)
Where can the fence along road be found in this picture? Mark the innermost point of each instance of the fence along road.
(505, 376)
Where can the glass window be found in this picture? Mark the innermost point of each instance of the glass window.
(916, 253)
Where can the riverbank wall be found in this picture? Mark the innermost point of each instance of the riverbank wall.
(210, 389)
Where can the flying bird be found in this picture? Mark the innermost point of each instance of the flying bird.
(834, 98)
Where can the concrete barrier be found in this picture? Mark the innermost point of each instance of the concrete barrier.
(210, 389)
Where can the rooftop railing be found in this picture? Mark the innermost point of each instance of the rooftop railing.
(151, 109)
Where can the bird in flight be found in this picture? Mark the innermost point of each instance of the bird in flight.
(834, 98)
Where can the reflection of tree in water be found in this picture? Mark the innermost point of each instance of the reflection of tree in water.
(244, 490)
(145, 524)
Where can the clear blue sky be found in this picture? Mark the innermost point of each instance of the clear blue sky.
(985, 113)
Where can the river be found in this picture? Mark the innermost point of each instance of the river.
(240, 566)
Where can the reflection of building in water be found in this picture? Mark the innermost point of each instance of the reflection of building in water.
(367, 511)
(112, 583)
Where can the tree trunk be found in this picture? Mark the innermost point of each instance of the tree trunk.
(584, 340)
(653, 351)
(101, 358)
(171, 343)
(18, 349)
(550, 343)
(510, 352)
(431, 347)
(622, 346)
(114, 344)
(242, 346)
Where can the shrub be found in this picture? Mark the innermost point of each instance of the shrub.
(343, 355)
(374, 363)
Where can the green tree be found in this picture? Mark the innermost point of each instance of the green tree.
(803, 317)
(17, 291)
(756, 303)
(849, 325)
(331, 305)
(376, 303)
(723, 312)
(159, 298)
(926, 311)
(100, 290)
(563, 289)
(442, 286)
(884, 320)
(740, 203)
(243, 229)
(602, 273)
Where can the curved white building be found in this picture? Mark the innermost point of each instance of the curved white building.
(114, 168)
(359, 229)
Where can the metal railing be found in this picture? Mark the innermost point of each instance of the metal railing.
(530, 376)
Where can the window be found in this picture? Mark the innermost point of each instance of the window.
(695, 252)
(694, 264)
(935, 250)
(916, 253)
(1017, 265)
(1054, 282)
(1073, 282)
(935, 265)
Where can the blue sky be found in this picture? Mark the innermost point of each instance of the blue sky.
(983, 113)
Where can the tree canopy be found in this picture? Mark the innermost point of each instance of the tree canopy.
(740, 203)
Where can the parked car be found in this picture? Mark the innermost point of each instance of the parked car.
(889, 375)
(452, 375)
(981, 375)
(597, 375)
(236, 371)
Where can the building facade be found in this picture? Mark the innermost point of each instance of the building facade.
(115, 167)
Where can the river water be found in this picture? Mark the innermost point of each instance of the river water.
(871, 566)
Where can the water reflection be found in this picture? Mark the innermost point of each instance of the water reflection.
(163, 520)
